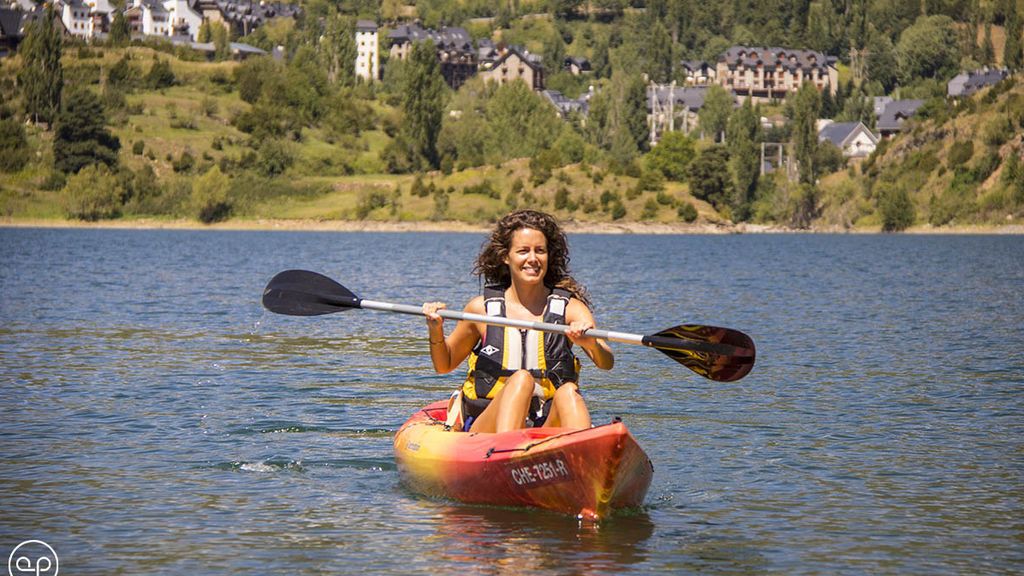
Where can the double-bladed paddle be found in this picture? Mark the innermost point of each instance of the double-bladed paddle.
(720, 354)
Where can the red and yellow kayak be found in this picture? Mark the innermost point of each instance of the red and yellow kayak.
(588, 472)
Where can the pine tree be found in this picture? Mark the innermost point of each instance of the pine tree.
(204, 32)
(423, 104)
(744, 162)
(806, 109)
(221, 42)
(81, 137)
(337, 50)
(659, 54)
(120, 32)
(554, 52)
(42, 75)
(714, 114)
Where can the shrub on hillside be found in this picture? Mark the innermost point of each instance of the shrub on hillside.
(960, 153)
(997, 131)
(896, 208)
(94, 193)
(687, 212)
(184, 163)
(160, 75)
(275, 157)
(484, 188)
(370, 201)
(122, 75)
(209, 200)
(650, 210)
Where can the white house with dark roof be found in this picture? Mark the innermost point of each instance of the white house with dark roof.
(767, 73)
(367, 50)
(577, 65)
(455, 51)
(148, 18)
(11, 31)
(853, 138)
(894, 115)
(75, 16)
(698, 72)
(183, 18)
(967, 83)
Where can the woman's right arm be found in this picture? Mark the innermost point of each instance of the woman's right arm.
(448, 352)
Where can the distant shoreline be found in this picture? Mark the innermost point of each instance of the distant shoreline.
(571, 226)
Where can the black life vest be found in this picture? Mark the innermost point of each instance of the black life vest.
(505, 350)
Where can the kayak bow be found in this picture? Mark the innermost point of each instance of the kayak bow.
(589, 472)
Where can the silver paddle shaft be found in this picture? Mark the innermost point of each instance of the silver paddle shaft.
(500, 321)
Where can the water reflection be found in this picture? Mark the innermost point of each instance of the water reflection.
(522, 541)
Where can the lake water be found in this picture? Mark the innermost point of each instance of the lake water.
(156, 420)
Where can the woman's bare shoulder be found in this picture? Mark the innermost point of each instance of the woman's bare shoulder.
(577, 310)
(476, 305)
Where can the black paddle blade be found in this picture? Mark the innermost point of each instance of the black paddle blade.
(305, 293)
(719, 354)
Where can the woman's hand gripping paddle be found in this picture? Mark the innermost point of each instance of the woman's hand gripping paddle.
(719, 354)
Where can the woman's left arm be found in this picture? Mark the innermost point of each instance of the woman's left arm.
(579, 318)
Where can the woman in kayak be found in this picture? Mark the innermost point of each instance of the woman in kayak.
(516, 375)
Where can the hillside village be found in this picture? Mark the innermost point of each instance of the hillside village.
(762, 77)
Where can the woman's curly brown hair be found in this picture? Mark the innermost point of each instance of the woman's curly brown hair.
(491, 266)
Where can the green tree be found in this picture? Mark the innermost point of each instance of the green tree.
(14, 151)
(882, 66)
(744, 134)
(631, 95)
(554, 51)
(709, 176)
(928, 49)
(337, 49)
(672, 155)
(1013, 51)
(250, 76)
(41, 77)
(81, 137)
(93, 194)
(464, 138)
(521, 123)
(658, 53)
(714, 114)
(423, 104)
(806, 109)
(204, 34)
(221, 42)
(120, 32)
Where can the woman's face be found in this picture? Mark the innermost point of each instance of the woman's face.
(527, 258)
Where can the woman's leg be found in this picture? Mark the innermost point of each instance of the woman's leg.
(568, 410)
(507, 411)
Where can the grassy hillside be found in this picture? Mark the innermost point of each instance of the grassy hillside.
(959, 164)
(954, 163)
